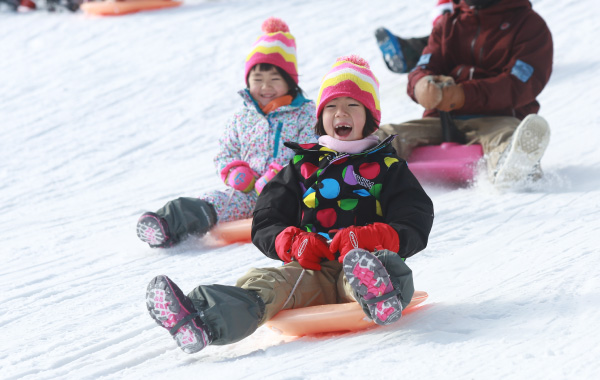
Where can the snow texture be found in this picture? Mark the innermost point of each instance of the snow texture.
(102, 119)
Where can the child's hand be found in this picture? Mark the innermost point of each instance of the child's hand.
(274, 168)
(239, 175)
(371, 237)
(428, 92)
(307, 248)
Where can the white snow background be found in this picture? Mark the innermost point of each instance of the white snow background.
(102, 119)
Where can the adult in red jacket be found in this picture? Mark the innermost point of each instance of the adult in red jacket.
(484, 66)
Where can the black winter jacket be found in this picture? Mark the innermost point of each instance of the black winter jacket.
(323, 191)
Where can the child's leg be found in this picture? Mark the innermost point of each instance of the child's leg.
(274, 286)
(427, 131)
(231, 313)
(175, 220)
(231, 204)
(209, 314)
(493, 133)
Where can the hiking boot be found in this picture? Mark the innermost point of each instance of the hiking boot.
(153, 229)
(171, 309)
(372, 286)
(521, 158)
(391, 50)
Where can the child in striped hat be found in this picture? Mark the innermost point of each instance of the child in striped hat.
(251, 150)
(342, 216)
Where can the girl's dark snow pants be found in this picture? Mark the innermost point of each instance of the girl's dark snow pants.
(186, 216)
(234, 312)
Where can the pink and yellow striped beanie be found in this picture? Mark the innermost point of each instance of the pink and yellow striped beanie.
(351, 76)
(277, 47)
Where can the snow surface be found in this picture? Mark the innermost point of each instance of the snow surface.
(104, 118)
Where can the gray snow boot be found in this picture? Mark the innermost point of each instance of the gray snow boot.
(171, 309)
(153, 229)
(372, 286)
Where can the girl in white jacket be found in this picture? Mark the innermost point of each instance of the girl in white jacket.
(251, 148)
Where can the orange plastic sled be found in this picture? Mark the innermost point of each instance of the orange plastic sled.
(117, 8)
(328, 318)
(237, 231)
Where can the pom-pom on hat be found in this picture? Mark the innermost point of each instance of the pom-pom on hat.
(277, 47)
(351, 76)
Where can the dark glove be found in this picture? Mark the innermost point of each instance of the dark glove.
(371, 237)
(307, 248)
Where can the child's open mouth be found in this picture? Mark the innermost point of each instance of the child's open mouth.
(343, 130)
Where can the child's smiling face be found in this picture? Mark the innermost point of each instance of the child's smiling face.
(266, 86)
(344, 119)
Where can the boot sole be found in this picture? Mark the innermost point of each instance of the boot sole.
(369, 278)
(164, 303)
(391, 50)
(150, 231)
(530, 141)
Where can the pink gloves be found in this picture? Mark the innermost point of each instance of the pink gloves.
(274, 168)
(307, 248)
(376, 235)
(239, 175)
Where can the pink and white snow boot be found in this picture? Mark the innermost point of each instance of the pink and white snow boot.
(171, 309)
(153, 230)
(372, 286)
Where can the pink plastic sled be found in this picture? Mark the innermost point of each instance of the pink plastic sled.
(448, 163)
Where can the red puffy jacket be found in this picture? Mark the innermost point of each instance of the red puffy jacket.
(502, 55)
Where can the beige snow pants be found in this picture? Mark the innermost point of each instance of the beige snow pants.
(493, 133)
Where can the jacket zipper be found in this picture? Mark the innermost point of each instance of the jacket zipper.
(476, 35)
(277, 136)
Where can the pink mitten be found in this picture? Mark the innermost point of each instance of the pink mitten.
(239, 175)
(274, 168)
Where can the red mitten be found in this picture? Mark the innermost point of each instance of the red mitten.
(371, 237)
(239, 175)
(307, 248)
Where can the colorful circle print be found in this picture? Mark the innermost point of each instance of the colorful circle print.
(329, 188)
(369, 170)
(310, 199)
(327, 217)
(307, 169)
(389, 161)
(348, 174)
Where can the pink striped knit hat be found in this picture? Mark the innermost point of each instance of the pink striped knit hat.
(351, 76)
(277, 47)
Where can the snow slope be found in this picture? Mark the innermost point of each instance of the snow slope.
(104, 118)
